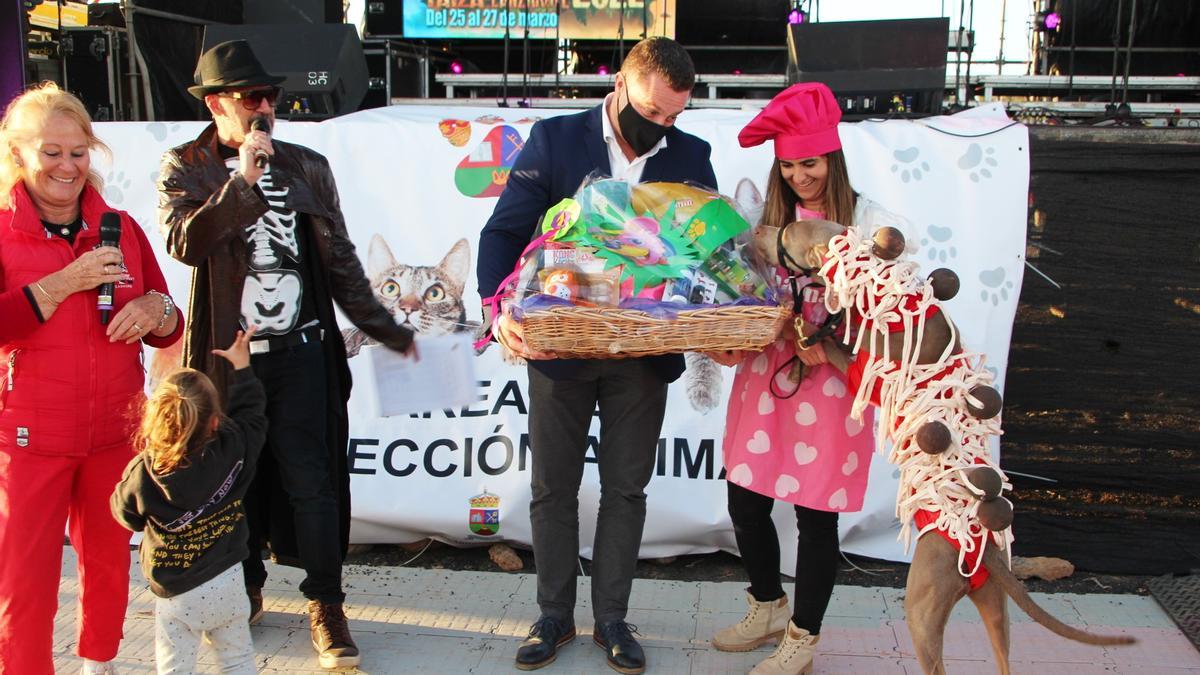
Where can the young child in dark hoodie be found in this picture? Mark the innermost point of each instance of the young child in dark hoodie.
(185, 491)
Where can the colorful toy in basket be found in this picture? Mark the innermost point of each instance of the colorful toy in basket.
(653, 232)
(654, 250)
(561, 283)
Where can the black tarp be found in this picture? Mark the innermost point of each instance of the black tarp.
(1156, 24)
(1103, 389)
(171, 49)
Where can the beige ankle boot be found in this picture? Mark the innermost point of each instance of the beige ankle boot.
(793, 656)
(764, 622)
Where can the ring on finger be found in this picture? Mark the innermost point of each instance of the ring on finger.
(137, 328)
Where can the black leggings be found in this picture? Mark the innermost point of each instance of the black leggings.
(816, 554)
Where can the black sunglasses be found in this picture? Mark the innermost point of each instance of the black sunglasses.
(252, 99)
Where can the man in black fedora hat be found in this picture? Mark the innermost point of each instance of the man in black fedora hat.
(259, 221)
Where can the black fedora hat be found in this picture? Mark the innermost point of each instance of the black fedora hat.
(230, 65)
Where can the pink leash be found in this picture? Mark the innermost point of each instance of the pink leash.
(502, 291)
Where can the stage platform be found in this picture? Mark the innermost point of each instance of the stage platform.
(437, 621)
(1148, 97)
(991, 86)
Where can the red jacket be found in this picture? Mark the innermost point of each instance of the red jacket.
(64, 388)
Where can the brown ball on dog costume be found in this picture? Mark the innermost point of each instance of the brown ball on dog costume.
(995, 514)
(889, 243)
(989, 399)
(987, 480)
(933, 438)
(944, 282)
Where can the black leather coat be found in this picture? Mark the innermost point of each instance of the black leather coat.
(203, 212)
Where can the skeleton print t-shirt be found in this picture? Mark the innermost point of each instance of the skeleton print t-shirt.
(274, 297)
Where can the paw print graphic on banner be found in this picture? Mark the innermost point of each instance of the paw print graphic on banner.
(978, 161)
(936, 241)
(115, 185)
(484, 172)
(996, 287)
(909, 164)
(161, 130)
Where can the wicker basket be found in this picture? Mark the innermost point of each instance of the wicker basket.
(610, 333)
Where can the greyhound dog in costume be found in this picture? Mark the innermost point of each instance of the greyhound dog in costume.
(938, 407)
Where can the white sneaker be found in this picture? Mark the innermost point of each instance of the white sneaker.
(763, 623)
(91, 667)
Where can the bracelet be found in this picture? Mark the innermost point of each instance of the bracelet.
(49, 297)
(168, 307)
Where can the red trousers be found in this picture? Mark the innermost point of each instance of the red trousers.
(39, 494)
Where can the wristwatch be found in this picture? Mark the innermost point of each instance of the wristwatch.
(168, 307)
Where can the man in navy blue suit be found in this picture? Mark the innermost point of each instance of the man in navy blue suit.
(631, 136)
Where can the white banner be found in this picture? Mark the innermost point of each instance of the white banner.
(417, 185)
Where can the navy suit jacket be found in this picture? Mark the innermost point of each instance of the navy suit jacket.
(560, 153)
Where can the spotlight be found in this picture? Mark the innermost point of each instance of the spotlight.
(602, 70)
(456, 67)
(796, 16)
(1047, 21)
(737, 71)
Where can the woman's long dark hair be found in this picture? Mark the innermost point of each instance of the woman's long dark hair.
(780, 205)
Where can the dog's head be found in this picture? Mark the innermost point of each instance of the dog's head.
(805, 243)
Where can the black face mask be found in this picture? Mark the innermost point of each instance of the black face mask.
(640, 133)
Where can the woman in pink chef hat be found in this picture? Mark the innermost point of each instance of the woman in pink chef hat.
(795, 443)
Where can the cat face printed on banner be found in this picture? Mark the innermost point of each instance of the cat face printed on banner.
(271, 301)
(484, 172)
(427, 299)
(458, 132)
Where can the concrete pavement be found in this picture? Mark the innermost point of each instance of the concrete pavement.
(437, 621)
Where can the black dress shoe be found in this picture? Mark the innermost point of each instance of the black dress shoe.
(540, 649)
(625, 655)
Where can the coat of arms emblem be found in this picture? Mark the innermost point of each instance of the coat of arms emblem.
(484, 518)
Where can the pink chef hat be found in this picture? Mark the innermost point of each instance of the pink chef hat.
(802, 120)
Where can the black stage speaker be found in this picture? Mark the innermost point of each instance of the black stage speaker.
(324, 64)
(292, 11)
(870, 65)
(385, 18)
(95, 64)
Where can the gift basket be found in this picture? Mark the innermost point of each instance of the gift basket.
(624, 270)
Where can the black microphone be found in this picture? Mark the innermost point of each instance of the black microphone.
(110, 235)
(260, 123)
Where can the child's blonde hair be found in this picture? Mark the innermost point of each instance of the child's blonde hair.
(177, 419)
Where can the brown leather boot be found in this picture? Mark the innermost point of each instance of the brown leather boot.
(254, 595)
(331, 635)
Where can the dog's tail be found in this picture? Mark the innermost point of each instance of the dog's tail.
(998, 567)
(703, 379)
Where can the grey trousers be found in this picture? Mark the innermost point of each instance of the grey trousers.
(632, 400)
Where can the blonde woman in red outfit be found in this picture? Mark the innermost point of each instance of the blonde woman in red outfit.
(67, 383)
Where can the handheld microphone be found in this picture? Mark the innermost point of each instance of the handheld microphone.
(260, 123)
(110, 235)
